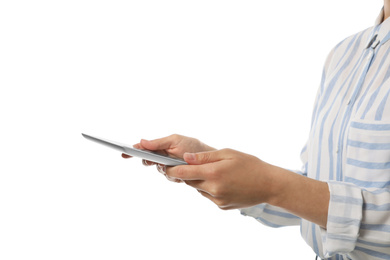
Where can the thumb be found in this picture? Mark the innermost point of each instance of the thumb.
(157, 144)
(204, 157)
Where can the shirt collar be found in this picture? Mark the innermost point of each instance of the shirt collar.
(381, 31)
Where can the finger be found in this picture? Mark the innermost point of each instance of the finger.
(205, 157)
(197, 184)
(207, 195)
(161, 168)
(144, 162)
(138, 146)
(158, 144)
(126, 156)
(173, 179)
(147, 163)
(188, 172)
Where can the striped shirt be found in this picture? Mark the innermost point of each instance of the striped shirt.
(349, 148)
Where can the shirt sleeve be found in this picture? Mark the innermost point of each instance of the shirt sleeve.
(271, 216)
(358, 220)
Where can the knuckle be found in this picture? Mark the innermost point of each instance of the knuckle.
(175, 136)
(203, 157)
(213, 191)
(221, 204)
(217, 192)
(225, 207)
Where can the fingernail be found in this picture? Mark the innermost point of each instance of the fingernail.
(190, 156)
(161, 168)
(146, 163)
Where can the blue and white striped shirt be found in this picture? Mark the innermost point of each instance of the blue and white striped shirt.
(349, 148)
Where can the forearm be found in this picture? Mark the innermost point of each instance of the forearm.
(302, 196)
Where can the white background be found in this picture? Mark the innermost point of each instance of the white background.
(237, 74)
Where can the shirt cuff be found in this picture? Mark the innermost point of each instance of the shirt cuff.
(344, 218)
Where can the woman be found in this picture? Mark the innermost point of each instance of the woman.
(341, 198)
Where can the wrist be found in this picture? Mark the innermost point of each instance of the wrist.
(280, 188)
(302, 196)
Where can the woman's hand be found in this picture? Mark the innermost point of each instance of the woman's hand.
(228, 178)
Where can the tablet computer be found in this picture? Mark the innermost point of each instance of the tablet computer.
(144, 154)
